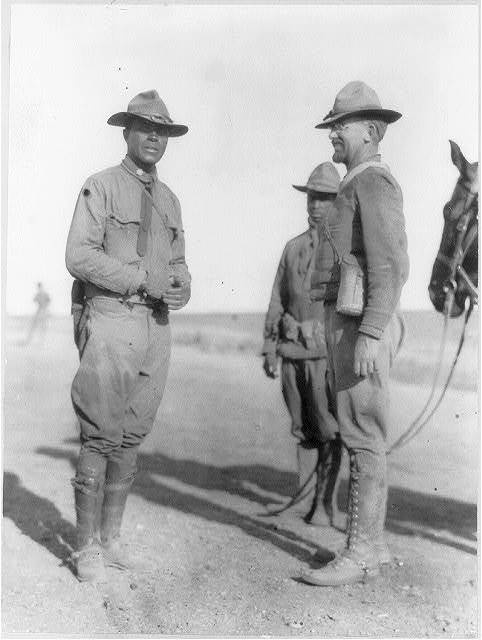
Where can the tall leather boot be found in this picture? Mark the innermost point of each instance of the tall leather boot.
(120, 474)
(359, 560)
(324, 505)
(87, 486)
(329, 496)
(306, 458)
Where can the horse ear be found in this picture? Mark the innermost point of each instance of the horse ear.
(458, 158)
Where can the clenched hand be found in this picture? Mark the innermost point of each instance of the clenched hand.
(178, 294)
(366, 350)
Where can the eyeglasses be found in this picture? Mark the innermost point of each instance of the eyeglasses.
(336, 127)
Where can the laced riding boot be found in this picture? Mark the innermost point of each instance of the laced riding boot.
(87, 486)
(381, 547)
(120, 474)
(359, 559)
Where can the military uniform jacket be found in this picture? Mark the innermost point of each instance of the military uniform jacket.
(102, 242)
(291, 296)
(367, 221)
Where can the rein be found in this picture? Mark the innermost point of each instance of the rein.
(450, 289)
(417, 425)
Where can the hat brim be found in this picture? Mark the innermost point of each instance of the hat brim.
(387, 115)
(124, 118)
(306, 188)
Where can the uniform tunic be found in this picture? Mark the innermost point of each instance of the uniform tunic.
(125, 347)
(291, 317)
(367, 221)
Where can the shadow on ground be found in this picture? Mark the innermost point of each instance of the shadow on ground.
(409, 513)
(149, 485)
(38, 518)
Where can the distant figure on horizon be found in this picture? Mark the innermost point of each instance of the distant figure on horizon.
(40, 320)
(294, 330)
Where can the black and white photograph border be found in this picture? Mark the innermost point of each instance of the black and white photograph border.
(227, 516)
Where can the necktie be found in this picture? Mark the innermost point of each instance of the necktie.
(315, 241)
(145, 219)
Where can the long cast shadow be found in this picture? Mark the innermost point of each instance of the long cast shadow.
(153, 489)
(233, 479)
(409, 512)
(38, 518)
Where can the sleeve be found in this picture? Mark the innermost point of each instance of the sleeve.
(178, 258)
(85, 257)
(385, 241)
(275, 310)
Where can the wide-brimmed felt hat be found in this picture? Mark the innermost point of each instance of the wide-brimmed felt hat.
(323, 179)
(357, 99)
(148, 106)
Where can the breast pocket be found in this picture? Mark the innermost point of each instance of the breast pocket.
(121, 238)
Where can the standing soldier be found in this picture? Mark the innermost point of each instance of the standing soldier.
(126, 246)
(41, 317)
(365, 271)
(294, 330)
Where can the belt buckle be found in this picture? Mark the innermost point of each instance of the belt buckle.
(125, 301)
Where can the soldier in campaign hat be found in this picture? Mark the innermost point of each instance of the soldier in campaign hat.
(126, 251)
(294, 331)
(363, 275)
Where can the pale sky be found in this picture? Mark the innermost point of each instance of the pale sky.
(251, 82)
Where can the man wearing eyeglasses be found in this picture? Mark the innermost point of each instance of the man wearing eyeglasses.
(365, 272)
(126, 250)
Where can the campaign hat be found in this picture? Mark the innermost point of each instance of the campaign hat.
(357, 99)
(324, 179)
(148, 106)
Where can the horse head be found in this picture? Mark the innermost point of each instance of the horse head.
(455, 270)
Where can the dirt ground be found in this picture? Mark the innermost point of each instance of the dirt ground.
(209, 560)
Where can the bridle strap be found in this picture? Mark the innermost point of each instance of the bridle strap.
(455, 262)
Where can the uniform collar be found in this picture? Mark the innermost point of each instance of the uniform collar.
(145, 177)
(373, 161)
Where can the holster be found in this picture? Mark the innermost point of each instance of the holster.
(79, 311)
(308, 333)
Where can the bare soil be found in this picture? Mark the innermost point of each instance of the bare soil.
(209, 561)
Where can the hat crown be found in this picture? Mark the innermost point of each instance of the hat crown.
(149, 105)
(324, 179)
(357, 99)
(355, 95)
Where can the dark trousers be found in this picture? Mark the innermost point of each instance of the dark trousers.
(303, 383)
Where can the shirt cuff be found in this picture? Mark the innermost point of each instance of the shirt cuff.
(374, 322)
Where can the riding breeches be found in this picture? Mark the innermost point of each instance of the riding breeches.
(124, 359)
(303, 383)
(361, 403)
